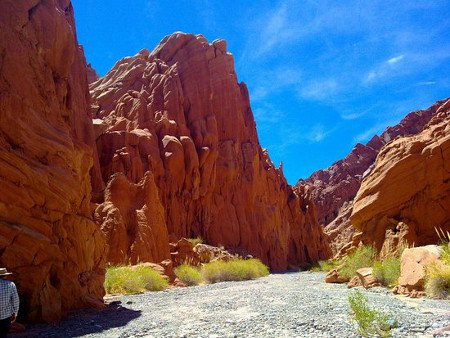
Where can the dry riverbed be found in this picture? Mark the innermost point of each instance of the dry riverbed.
(280, 305)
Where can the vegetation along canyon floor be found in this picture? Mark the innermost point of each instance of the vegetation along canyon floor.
(296, 304)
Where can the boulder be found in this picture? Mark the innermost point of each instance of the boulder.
(333, 276)
(182, 252)
(413, 268)
(208, 253)
(364, 277)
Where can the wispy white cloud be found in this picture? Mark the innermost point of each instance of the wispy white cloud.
(319, 89)
(395, 59)
(426, 83)
(272, 81)
(317, 133)
(369, 133)
(384, 70)
(267, 114)
(352, 115)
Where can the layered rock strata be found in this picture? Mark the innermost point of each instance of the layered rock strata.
(336, 186)
(406, 197)
(47, 235)
(178, 119)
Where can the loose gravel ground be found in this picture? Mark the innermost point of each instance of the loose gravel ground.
(280, 305)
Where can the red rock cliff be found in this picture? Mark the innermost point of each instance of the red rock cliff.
(180, 156)
(336, 186)
(407, 194)
(47, 236)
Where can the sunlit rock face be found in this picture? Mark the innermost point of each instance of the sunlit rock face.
(47, 234)
(180, 157)
(406, 197)
(335, 187)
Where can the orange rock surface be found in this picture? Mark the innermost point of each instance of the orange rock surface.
(407, 194)
(47, 235)
(335, 187)
(180, 114)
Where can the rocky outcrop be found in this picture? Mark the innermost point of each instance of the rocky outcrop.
(92, 75)
(336, 187)
(178, 119)
(47, 235)
(406, 197)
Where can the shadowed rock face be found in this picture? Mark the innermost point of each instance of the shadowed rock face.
(335, 188)
(178, 119)
(47, 235)
(407, 194)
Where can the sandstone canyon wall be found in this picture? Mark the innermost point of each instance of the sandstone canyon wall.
(334, 188)
(180, 157)
(47, 235)
(407, 194)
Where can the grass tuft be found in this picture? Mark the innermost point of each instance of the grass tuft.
(234, 270)
(327, 265)
(437, 283)
(445, 254)
(188, 274)
(131, 280)
(364, 256)
(195, 241)
(387, 271)
(370, 322)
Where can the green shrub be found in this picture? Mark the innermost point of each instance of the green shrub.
(445, 254)
(188, 274)
(370, 322)
(234, 270)
(437, 282)
(361, 258)
(387, 271)
(325, 265)
(195, 241)
(131, 280)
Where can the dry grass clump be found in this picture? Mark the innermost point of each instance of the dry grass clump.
(132, 280)
(364, 256)
(234, 270)
(445, 253)
(195, 241)
(437, 284)
(387, 271)
(188, 274)
(327, 265)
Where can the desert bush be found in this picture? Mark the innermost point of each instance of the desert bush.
(437, 281)
(195, 241)
(325, 265)
(188, 274)
(370, 322)
(131, 280)
(387, 271)
(362, 257)
(445, 253)
(234, 270)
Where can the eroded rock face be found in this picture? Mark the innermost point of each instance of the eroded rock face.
(336, 187)
(179, 113)
(407, 194)
(47, 235)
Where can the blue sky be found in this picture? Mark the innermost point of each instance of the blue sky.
(322, 75)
